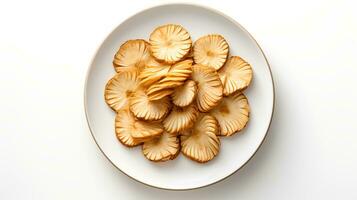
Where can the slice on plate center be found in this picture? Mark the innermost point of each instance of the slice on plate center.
(235, 75)
(232, 113)
(201, 143)
(162, 148)
(120, 88)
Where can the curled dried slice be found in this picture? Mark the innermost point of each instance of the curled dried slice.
(146, 130)
(209, 87)
(201, 143)
(236, 75)
(124, 128)
(144, 108)
(162, 148)
(170, 43)
(133, 53)
(120, 88)
(184, 95)
(180, 119)
(152, 74)
(162, 93)
(232, 113)
(211, 51)
(176, 76)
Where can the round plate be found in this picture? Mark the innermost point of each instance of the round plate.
(181, 173)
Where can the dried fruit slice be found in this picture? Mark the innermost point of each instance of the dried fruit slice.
(143, 108)
(120, 88)
(152, 74)
(180, 119)
(162, 93)
(236, 75)
(232, 113)
(184, 95)
(201, 143)
(162, 148)
(124, 128)
(133, 53)
(211, 51)
(144, 130)
(177, 75)
(170, 43)
(209, 87)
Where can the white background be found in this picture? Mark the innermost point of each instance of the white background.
(46, 151)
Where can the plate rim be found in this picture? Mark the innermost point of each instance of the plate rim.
(178, 4)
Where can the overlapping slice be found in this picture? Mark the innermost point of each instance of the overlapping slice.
(184, 94)
(152, 74)
(120, 88)
(209, 87)
(211, 51)
(170, 43)
(144, 108)
(232, 113)
(180, 119)
(145, 130)
(132, 132)
(201, 143)
(176, 76)
(133, 54)
(124, 128)
(235, 75)
(162, 148)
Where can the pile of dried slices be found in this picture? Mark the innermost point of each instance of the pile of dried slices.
(171, 95)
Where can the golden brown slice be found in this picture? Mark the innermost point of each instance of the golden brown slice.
(184, 95)
(152, 74)
(232, 113)
(201, 143)
(146, 130)
(180, 119)
(162, 148)
(209, 87)
(144, 108)
(120, 88)
(159, 94)
(211, 51)
(176, 76)
(170, 43)
(124, 128)
(235, 75)
(133, 54)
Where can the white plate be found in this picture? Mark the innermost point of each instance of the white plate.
(181, 173)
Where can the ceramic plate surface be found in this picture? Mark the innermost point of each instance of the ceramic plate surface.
(181, 173)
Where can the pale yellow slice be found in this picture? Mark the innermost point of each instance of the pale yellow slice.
(120, 88)
(145, 130)
(176, 76)
(124, 128)
(211, 51)
(201, 143)
(180, 119)
(162, 148)
(209, 87)
(235, 75)
(170, 43)
(151, 74)
(146, 109)
(232, 113)
(185, 94)
(133, 53)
